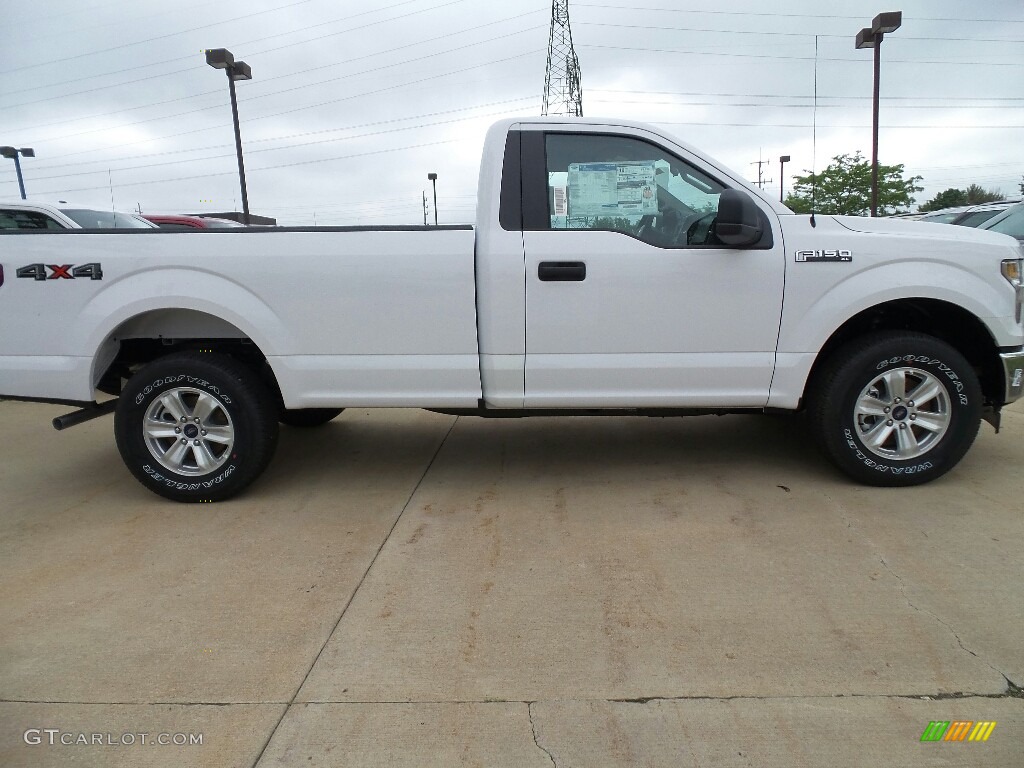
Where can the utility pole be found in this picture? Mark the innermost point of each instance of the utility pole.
(432, 178)
(424, 207)
(563, 94)
(761, 180)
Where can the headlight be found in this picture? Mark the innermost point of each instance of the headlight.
(1012, 270)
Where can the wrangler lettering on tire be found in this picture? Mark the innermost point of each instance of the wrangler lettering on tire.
(196, 427)
(896, 408)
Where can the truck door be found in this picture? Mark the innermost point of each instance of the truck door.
(631, 300)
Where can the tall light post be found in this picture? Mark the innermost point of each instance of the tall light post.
(432, 177)
(12, 153)
(871, 37)
(782, 179)
(222, 58)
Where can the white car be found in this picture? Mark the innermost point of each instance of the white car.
(968, 215)
(23, 214)
(1009, 222)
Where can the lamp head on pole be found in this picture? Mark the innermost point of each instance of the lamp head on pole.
(27, 152)
(887, 22)
(9, 152)
(866, 39)
(219, 58)
(784, 159)
(431, 177)
(240, 71)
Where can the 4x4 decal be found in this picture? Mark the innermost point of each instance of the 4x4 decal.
(93, 271)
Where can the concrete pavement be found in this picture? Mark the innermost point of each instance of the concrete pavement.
(405, 588)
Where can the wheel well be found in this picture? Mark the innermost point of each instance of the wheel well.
(157, 333)
(948, 322)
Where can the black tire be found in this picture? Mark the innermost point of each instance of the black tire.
(880, 449)
(308, 417)
(244, 418)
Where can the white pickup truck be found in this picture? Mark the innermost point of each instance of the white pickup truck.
(612, 269)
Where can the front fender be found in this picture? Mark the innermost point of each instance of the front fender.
(807, 325)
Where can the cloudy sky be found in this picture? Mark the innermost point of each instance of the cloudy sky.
(353, 103)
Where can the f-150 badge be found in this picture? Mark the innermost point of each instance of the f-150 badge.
(61, 271)
(825, 255)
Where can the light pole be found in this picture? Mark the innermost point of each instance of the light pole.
(871, 37)
(782, 179)
(433, 180)
(222, 58)
(13, 153)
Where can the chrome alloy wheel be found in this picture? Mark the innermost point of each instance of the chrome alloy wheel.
(902, 414)
(188, 431)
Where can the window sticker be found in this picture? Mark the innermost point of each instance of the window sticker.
(612, 189)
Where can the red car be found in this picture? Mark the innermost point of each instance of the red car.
(189, 222)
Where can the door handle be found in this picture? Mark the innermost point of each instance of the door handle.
(562, 271)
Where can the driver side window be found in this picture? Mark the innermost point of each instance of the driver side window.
(618, 183)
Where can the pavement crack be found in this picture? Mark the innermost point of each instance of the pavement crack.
(1013, 691)
(903, 591)
(536, 740)
(352, 597)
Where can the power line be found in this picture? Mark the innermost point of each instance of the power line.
(348, 98)
(271, 50)
(191, 57)
(661, 28)
(804, 126)
(797, 106)
(801, 96)
(49, 165)
(256, 170)
(790, 15)
(274, 149)
(252, 99)
(803, 58)
(152, 39)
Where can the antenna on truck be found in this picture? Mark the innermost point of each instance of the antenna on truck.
(110, 183)
(814, 133)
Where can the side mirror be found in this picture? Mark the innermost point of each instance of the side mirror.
(739, 219)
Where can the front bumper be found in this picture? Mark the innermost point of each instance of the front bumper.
(1013, 375)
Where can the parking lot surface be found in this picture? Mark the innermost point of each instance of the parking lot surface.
(410, 589)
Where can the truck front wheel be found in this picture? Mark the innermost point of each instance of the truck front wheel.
(898, 408)
(196, 427)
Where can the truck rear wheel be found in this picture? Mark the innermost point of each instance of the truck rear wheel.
(196, 427)
(898, 408)
(308, 417)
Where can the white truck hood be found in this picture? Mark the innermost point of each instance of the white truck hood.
(923, 230)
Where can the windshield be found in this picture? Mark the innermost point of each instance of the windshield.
(977, 218)
(940, 218)
(89, 219)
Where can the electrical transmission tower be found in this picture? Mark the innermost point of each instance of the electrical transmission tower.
(562, 92)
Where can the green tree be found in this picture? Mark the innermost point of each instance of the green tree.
(975, 195)
(951, 198)
(844, 187)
